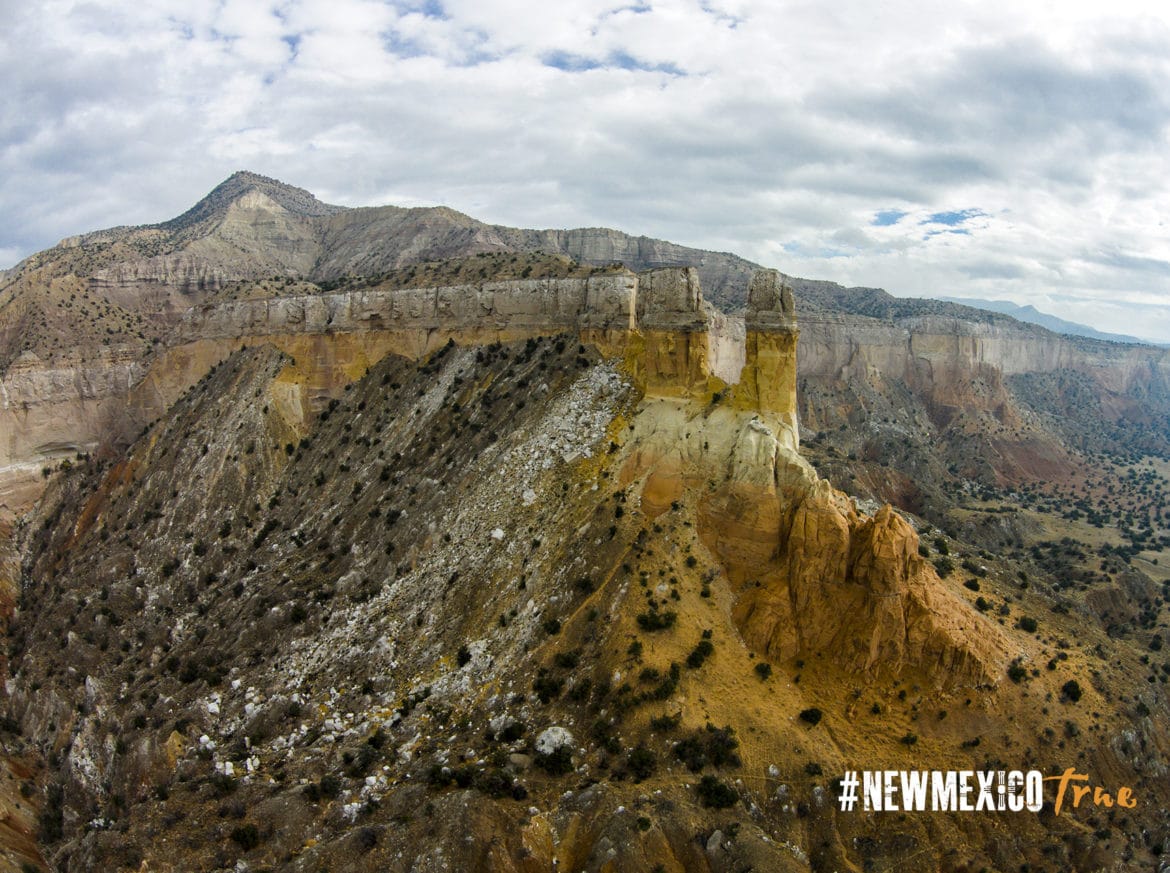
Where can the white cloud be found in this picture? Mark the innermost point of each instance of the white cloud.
(776, 130)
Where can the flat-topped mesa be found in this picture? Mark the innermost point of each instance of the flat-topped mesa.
(673, 341)
(514, 308)
(768, 381)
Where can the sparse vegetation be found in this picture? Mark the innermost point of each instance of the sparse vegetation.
(715, 794)
(656, 621)
(811, 716)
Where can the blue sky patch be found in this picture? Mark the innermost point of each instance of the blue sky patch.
(887, 217)
(629, 62)
(574, 63)
(400, 46)
(569, 62)
(953, 219)
(429, 8)
(732, 21)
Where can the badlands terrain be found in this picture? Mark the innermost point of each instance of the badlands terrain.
(384, 539)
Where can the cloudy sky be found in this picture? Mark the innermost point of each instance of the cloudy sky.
(1006, 150)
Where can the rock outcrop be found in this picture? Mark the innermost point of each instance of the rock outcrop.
(814, 577)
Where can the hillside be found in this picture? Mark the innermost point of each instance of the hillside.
(567, 601)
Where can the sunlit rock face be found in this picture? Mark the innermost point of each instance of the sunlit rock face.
(813, 574)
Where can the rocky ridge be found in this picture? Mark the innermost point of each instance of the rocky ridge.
(350, 634)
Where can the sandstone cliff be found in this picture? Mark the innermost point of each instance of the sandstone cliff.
(814, 577)
(53, 412)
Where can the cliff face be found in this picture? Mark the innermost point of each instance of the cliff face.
(1002, 404)
(812, 576)
(55, 412)
(934, 351)
(49, 414)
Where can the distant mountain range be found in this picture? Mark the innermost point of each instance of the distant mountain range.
(1032, 315)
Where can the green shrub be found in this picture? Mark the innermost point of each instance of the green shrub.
(548, 688)
(666, 686)
(511, 733)
(567, 660)
(642, 763)
(971, 567)
(437, 776)
(812, 716)
(579, 691)
(246, 836)
(665, 723)
(715, 794)
(700, 653)
(494, 782)
(656, 621)
(557, 762)
(714, 746)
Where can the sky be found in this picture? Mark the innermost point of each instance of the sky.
(1004, 150)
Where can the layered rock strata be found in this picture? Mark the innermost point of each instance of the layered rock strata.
(52, 413)
(813, 576)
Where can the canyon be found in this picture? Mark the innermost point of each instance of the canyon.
(388, 540)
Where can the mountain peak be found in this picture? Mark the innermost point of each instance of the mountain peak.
(296, 200)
